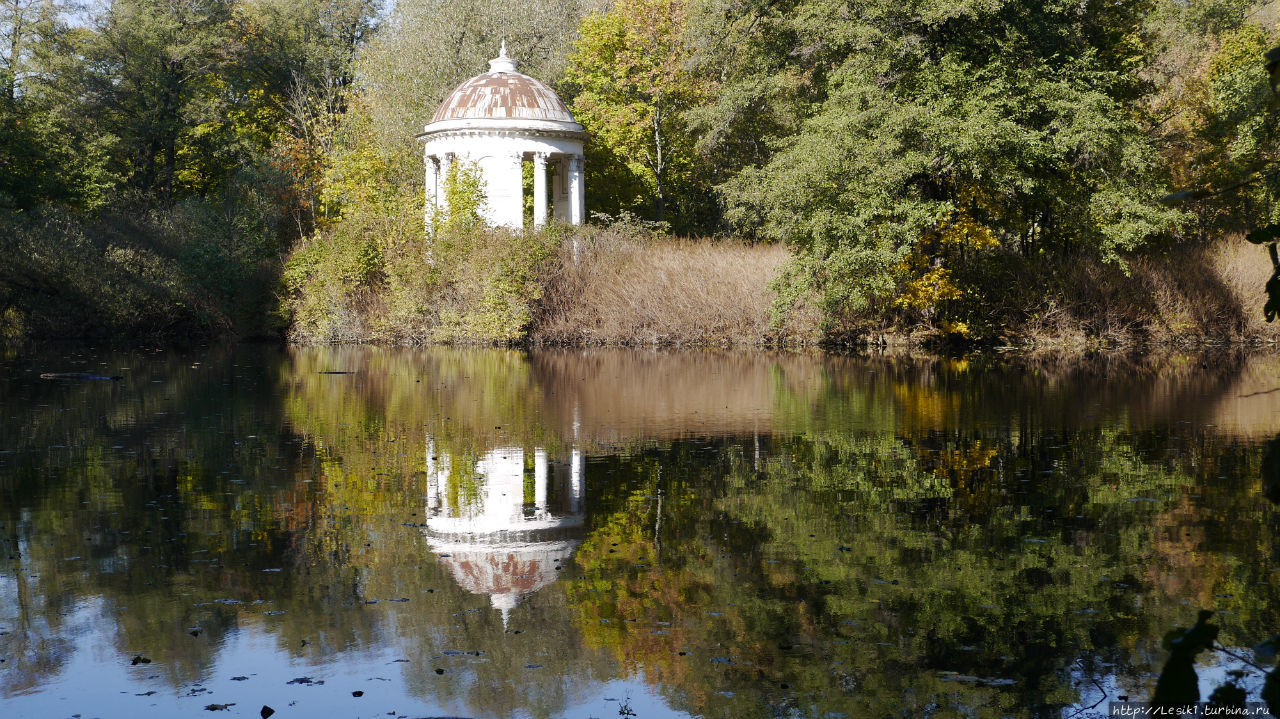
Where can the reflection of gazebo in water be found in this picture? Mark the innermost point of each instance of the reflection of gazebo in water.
(506, 533)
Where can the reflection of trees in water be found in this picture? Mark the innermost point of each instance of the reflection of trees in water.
(795, 583)
(934, 474)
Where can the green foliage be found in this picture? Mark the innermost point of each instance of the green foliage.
(1019, 117)
(493, 284)
(120, 276)
(376, 274)
(50, 152)
(467, 198)
(197, 122)
(1232, 128)
(905, 151)
(632, 85)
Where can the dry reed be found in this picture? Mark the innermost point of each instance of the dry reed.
(617, 287)
(1186, 295)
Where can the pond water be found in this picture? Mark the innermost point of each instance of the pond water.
(361, 532)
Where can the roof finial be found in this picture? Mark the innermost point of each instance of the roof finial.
(502, 63)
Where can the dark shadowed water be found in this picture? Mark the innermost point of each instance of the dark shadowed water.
(489, 533)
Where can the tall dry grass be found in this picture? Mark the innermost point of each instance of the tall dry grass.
(617, 286)
(624, 284)
(1185, 295)
(1244, 269)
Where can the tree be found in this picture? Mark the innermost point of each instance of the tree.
(23, 25)
(301, 57)
(48, 148)
(153, 69)
(631, 77)
(1019, 120)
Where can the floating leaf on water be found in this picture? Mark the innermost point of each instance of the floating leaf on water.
(266, 712)
(239, 679)
(439, 670)
(139, 659)
(219, 707)
(145, 694)
(357, 693)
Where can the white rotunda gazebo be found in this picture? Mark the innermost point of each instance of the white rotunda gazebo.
(499, 121)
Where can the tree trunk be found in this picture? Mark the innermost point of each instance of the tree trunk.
(658, 166)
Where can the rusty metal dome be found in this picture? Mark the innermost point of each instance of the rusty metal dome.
(503, 94)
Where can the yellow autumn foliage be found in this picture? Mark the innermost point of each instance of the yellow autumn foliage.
(926, 290)
(926, 284)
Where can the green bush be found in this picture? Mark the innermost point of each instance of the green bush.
(205, 266)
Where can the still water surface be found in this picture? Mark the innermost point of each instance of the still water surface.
(489, 533)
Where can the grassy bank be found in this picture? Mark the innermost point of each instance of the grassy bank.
(1182, 296)
(193, 271)
(595, 285)
(187, 274)
(622, 284)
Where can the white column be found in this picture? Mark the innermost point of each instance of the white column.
(540, 479)
(432, 182)
(539, 189)
(442, 196)
(442, 483)
(582, 189)
(433, 482)
(577, 204)
(576, 467)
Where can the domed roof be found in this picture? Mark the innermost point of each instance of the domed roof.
(503, 94)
